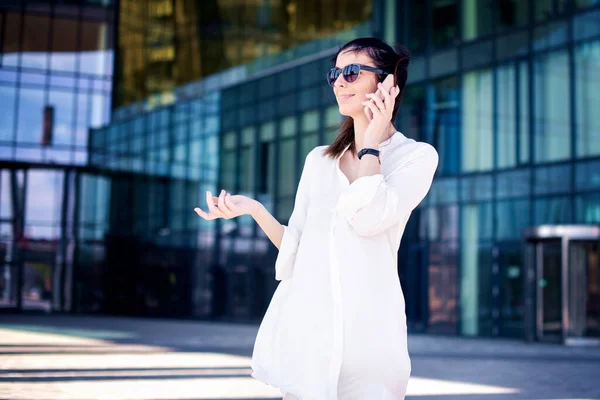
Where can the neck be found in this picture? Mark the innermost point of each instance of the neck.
(360, 127)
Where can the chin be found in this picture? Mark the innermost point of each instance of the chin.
(348, 111)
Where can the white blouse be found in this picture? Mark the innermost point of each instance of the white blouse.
(336, 325)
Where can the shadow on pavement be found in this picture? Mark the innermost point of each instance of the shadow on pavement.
(443, 368)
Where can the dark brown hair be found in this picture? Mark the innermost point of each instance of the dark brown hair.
(385, 58)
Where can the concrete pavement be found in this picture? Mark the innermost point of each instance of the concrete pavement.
(63, 357)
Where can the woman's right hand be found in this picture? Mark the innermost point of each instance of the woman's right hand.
(227, 206)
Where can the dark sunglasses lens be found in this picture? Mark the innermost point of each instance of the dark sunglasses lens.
(332, 76)
(351, 72)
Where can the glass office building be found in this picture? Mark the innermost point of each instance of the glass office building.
(505, 244)
(506, 94)
(166, 43)
(56, 78)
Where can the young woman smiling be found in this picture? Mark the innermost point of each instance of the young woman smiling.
(336, 325)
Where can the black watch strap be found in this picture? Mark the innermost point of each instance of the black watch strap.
(369, 151)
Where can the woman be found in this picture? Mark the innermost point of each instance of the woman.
(336, 325)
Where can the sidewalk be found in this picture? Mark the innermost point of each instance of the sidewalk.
(60, 357)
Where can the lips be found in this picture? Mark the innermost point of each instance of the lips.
(345, 96)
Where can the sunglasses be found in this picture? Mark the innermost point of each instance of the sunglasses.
(350, 72)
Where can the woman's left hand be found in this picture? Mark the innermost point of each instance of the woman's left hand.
(381, 112)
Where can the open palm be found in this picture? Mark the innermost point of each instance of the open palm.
(226, 206)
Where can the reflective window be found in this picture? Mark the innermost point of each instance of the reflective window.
(552, 179)
(444, 23)
(11, 46)
(415, 25)
(82, 119)
(476, 222)
(553, 210)
(443, 129)
(552, 94)
(413, 111)
(587, 208)
(287, 167)
(587, 175)
(476, 19)
(307, 143)
(266, 165)
(587, 92)
(287, 127)
(179, 49)
(511, 14)
(512, 92)
(8, 102)
(248, 162)
(93, 210)
(96, 48)
(548, 9)
(512, 302)
(586, 3)
(524, 111)
(30, 115)
(512, 217)
(477, 120)
(35, 46)
(63, 48)
(506, 89)
(44, 197)
(63, 104)
(443, 287)
(100, 110)
(310, 121)
(333, 119)
(441, 223)
(6, 194)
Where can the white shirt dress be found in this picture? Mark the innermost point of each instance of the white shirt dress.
(335, 328)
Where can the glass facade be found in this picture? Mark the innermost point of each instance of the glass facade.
(166, 43)
(56, 73)
(509, 110)
(505, 90)
(166, 160)
(56, 69)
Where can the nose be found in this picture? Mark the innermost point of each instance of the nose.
(340, 81)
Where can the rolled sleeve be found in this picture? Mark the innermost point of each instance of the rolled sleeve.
(358, 195)
(372, 204)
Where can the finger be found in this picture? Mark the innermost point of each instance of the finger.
(374, 110)
(377, 101)
(388, 94)
(203, 214)
(209, 202)
(391, 100)
(368, 113)
(222, 206)
(229, 203)
(388, 97)
(212, 209)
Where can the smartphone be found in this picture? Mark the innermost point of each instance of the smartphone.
(388, 82)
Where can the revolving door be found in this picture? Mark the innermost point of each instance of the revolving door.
(562, 290)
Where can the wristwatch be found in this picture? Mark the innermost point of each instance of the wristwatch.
(367, 150)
